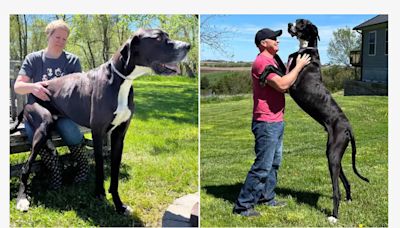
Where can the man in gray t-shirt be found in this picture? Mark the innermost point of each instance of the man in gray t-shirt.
(39, 67)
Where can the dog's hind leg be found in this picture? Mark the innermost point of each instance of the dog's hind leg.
(337, 144)
(22, 198)
(117, 144)
(334, 169)
(40, 119)
(346, 184)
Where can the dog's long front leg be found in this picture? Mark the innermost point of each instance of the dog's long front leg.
(98, 157)
(117, 144)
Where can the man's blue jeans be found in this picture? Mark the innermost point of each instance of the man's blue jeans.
(262, 178)
(67, 129)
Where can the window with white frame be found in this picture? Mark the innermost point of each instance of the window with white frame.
(386, 43)
(371, 43)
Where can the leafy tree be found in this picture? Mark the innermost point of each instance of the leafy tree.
(204, 83)
(18, 36)
(344, 40)
(94, 38)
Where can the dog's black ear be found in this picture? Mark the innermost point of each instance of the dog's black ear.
(315, 30)
(135, 39)
(128, 50)
(125, 52)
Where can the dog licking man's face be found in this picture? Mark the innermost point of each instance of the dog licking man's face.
(153, 48)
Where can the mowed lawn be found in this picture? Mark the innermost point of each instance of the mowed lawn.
(159, 164)
(304, 183)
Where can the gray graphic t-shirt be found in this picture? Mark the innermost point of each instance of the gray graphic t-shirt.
(40, 68)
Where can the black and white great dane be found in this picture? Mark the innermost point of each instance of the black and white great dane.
(311, 95)
(102, 100)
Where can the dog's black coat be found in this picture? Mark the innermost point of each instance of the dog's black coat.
(91, 98)
(311, 95)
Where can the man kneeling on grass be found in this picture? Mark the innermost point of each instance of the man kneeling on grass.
(267, 124)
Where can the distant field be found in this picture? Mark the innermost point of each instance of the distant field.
(225, 64)
(205, 69)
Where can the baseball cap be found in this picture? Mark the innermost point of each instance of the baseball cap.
(266, 33)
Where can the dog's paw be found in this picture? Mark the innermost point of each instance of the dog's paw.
(128, 211)
(23, 205)
(332, 219)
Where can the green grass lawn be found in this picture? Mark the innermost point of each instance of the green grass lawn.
(159, 164)
(304, 182)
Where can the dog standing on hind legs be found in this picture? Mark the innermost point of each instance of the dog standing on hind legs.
(102, 100)
(312, 96)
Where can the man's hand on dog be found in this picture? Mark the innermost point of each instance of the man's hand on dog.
(40, 91)
(303, 60)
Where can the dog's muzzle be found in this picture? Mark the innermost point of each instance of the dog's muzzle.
(292, 29)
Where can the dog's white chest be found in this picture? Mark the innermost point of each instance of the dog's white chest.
(122, 113)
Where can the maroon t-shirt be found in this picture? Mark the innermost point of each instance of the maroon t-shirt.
(269, 104)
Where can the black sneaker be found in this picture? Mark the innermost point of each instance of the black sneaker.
(247, 213)
(275, 204)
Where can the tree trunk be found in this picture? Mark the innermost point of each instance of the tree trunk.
(93, 61)
(20, 57)
(189, 70)
(106, 40)
(25, 37)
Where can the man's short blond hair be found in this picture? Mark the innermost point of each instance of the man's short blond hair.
(57, 24)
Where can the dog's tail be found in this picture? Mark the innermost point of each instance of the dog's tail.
(14, 126)
(353, 156)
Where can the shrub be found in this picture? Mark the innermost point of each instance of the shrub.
(239, 82)
(226, 83)
(334, 77)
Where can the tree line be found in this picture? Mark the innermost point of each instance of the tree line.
(95, 38)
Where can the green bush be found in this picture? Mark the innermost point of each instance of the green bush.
(239, 82)
(226, 83)
(334, 77)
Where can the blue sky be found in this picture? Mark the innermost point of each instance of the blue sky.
(240, 41)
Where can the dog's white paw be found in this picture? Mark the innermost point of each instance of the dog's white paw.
(332, 219)
(128, 211)
(22, 205)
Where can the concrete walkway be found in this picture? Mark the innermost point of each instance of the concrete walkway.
(179, 213)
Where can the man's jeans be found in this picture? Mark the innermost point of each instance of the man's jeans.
(67, 129)
(262, 178)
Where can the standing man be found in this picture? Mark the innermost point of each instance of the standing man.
(267, 124)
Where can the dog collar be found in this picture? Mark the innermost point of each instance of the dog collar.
(119, 73)
(308, 48)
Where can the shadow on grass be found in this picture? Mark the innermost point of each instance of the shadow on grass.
(79, 198)
(231, 192)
